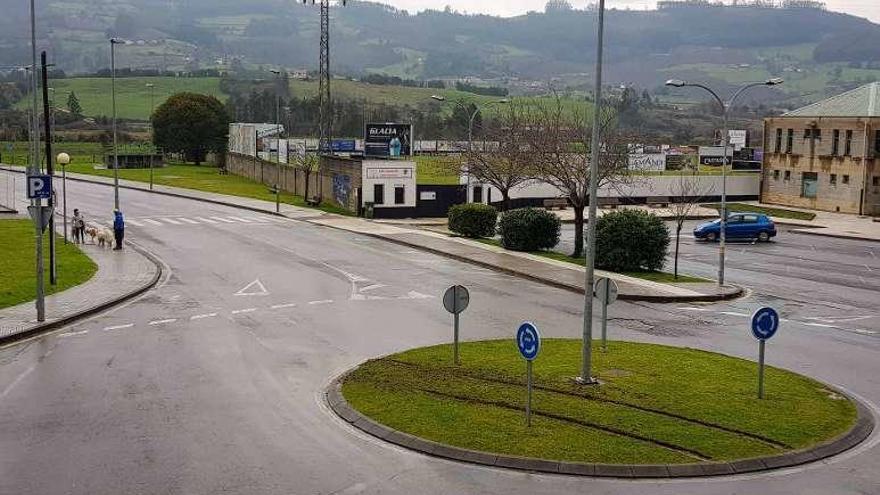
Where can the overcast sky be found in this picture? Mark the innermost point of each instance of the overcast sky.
(861, 8)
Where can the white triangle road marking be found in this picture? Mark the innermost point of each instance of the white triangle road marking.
(255, 288)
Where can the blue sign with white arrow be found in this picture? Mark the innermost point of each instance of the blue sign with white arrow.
(528, 340)
(765, 322)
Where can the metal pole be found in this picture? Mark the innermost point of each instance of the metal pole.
(64, 198)
(470, 153)
(152, 130)
(35, 169)
(723, 241)
(760, 369)
(47, 124)
(455, 357)
(115, 144)
(586, 365)
(277, 199)
(528, 393)
(606, 288)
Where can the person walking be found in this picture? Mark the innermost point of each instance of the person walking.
(118, 229)
(79, 227)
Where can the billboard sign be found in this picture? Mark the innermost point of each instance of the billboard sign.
(738, 138)
(389, 140)
(389, 173)
(647, 161)
(343, 145)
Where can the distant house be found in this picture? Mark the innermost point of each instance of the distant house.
(826, 156)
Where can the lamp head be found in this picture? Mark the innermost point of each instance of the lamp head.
(62, 159)
(774, 81)
(676, 83)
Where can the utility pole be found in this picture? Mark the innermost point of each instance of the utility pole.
(586, 377)
(36, 204)
(113, 43)
(53, 267)
(325, 109)
(152, 88)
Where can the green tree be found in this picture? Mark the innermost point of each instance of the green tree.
(192, 124)
(73, 105)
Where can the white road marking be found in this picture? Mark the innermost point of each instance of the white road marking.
(282, 306)
(172, 221)
(731, 313)
(221, 219)
(418, 295)
(254, 219)
(134, 222)
(868, 268)
(118, 327)
(255, 288)
(323, 301)
(694, 309)
(163, 322)
(373, 287)
(202, 317)
(18, 379)
(152, 222)
(73, 334)
(819, 325)
(239, 219)
(188, 220)
(871, 252)
(241, 311)
(206, 220)
(864, 332)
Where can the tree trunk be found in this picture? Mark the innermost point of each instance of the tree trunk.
(505, 200)
(677, 240)
(307, 174)
(578, 232)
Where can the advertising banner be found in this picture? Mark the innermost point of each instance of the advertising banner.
(647, 161)
(343, 145)
(388, 140)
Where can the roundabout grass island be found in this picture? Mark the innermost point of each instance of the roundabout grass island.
(657, 406)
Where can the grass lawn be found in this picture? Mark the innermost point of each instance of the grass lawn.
(773, 212)
(437, 170)
(203, 178)
(662, 277)
(657, 404)
(18, 281)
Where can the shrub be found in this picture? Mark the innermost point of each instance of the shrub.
(631, 240)
(473, 220)
(529, 229)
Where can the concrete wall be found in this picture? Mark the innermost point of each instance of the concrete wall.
(845, 181)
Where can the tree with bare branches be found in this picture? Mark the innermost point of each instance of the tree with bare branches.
(307, 163)
(685, 194)
(503, 161)
(560, 144)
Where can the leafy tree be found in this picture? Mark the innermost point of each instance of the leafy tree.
(73, 105)
(192, 124)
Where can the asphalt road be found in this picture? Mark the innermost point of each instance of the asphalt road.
(212, 383)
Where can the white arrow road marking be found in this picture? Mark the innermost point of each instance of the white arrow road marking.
(255, 288)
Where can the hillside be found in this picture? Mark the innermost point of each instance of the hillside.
(817, 51)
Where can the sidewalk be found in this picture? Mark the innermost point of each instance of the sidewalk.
(830, 224)
(555, 273)
(120, 276)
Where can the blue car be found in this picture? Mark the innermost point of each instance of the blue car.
(739, 226)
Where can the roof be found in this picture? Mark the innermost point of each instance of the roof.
(863, 101)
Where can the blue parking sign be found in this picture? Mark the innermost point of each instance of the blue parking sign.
(39, 186)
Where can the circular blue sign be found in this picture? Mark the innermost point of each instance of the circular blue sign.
(765, 322)
(528, 340)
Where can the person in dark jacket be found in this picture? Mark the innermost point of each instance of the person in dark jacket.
(118, 228)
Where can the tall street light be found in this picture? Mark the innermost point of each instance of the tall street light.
(726, 107)
(152, 88)
(113, 43)
(473, 116)
(63, 159)
(36, 204)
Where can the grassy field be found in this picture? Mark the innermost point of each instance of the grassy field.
(437, 170)
(662, 277)
(656, 404)
(17, 277)
(773, 212)
(204, 178)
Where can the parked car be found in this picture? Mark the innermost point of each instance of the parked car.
(739, 226)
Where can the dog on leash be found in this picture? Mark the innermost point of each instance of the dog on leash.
(92, 232)
(105, 238)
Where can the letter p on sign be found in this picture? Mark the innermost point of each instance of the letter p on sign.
(39, 187)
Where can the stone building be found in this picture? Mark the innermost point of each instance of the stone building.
(826, 156)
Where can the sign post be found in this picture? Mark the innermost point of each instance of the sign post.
(528, 340)
(765, 323)
(455, 300)
(39, 187)
(606, 291)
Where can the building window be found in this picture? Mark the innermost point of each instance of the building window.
(812, 133)
(833, 179)
(379, 194)
(788, 175)
(778, 147)
(809, 184)
(776, 175)
(847, 144)
(876, 141)
(478, 194)
(835, 142)
(876, 181)
(845, 179)
(789, 141)
(399, 195)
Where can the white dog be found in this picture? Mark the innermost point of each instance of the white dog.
(105, 238)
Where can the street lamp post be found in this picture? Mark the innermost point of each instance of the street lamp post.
(471, 119)
(152, 87)
(725, 138)
(113, 43)
(63, 159)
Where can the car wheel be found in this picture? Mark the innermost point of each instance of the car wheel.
(763, 236)
(711, 237)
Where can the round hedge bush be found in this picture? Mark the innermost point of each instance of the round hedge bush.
(631, 241)
(473, 220)
(529, 229)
